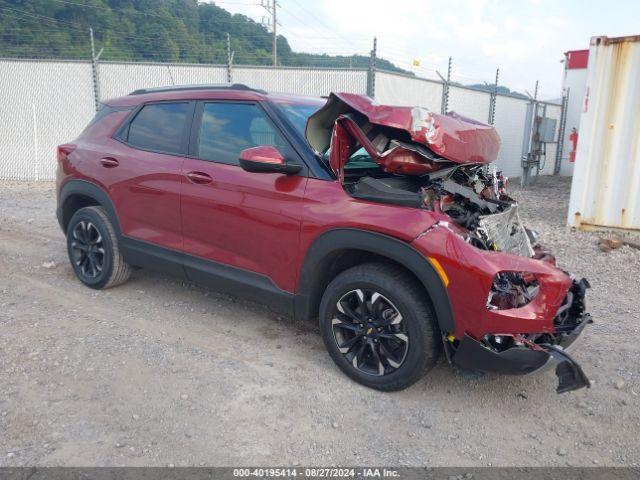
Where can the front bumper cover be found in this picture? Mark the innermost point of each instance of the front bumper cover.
(472, 354)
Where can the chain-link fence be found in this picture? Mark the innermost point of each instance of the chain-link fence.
(45, 103)
(509, 112)
(42, 104)
(118, 79)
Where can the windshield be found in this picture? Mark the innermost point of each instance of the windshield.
(298, 113)
(358, 161)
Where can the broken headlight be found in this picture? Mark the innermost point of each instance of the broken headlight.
(512, 290)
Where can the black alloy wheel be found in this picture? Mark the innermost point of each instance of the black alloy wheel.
(369, 331)
(93, 248)
(378, 325)
(87, 249)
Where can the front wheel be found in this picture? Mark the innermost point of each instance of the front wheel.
(379, 327)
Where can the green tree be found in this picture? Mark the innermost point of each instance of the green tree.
(147, 30)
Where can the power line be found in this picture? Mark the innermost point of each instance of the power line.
(311, 26)
(320, 21)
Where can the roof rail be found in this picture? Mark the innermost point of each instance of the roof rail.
(212, 86)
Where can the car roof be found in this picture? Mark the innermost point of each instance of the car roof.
(223, 91)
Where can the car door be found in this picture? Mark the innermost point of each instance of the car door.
(146, 169)
(244, 225)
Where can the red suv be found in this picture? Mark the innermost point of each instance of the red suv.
(383, 222)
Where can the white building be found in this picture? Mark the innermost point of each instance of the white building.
(573, 84)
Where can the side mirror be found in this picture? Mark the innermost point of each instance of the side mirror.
(266, 159)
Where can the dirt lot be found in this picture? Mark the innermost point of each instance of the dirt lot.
(159, 372)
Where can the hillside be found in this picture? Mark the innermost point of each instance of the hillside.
(147, 30)
(499, 89)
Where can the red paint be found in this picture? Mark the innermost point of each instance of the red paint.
(471, 272)
(577, 59)
(452, 136)
(63, 151)
(243, 219)
(263, 154)
(342, 147)
(573, 138)
(267, 222)
(395, 160)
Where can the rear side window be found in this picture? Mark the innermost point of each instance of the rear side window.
(228, 128)
(159, 127)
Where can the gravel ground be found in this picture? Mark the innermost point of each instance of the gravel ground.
(160, 372)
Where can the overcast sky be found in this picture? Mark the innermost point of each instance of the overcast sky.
(524, 38)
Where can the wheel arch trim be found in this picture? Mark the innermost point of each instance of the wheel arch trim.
(86, 189)
(333, 241)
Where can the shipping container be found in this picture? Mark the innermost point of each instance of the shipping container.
(605, 192)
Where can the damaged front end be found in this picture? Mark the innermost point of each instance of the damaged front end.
(515, 311)
(520, 354)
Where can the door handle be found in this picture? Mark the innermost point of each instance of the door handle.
(199, 178)
(109, 162)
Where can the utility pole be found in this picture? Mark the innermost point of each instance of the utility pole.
(271, 9)
(275, 37)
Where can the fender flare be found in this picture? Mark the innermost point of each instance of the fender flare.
(86, 189)
(331, 242)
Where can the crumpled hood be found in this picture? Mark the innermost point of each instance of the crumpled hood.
(451, 136)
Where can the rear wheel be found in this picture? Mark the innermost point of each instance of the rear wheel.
(93, 249)
(378, 326)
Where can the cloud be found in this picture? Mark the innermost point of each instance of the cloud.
(502, 50)
(510, 24)
(525, 39)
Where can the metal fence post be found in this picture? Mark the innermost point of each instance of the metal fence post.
(229, 60)
(94, 71)
(444, 102)
(35, 141)
(530, 142)
(492, 99)
(561, 132)
(371, 73)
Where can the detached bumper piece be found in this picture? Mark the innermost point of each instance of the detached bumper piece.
(570, 375)
(532, 353)
(473, 355)
(522, 360)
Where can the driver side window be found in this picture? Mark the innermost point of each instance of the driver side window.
(228, 128)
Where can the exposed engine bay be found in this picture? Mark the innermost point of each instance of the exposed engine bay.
(475, 200)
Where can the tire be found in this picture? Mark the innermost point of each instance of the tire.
(388, 361)
(92, 246)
